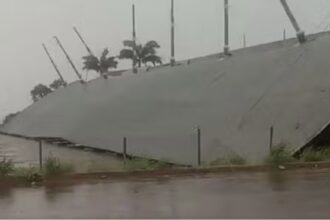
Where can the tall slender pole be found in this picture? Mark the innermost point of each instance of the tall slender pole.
(244, 41)
(69, 59)
(172, 34)
(271, 136)
(54, 64)
(226, 8)
(125, 148)
(199, 138)
(300, 33)
(134, 40)
(284, 34)
(40, 154)
(83, 41)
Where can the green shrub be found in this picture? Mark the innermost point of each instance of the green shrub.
(326, 153)
(29, 174)
(316, 156)
(312, 156)
(6, 167)
(53, 166)
(232, 159)
(279, 155)
(145, 164)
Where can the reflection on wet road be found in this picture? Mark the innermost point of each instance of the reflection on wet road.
(299, 194)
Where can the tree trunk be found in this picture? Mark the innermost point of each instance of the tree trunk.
(103, 74)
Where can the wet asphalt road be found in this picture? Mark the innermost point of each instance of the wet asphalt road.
(291, 194)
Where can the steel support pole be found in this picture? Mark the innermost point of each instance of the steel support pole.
(226, 10)
(134, 40)
(40, 154)
(199, 145)
(172, 34)
(53, 63)
(69, 59)
(125, 149)
(300, 33)
(271, 136)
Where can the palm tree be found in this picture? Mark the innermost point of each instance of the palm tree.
(100, 65)
(141, 53)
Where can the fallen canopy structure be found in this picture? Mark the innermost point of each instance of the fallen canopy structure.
(234, 100)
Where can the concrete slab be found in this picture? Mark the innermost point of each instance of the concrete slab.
(234, 101)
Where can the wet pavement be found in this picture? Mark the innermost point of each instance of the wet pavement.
(290, 194)
(26, 153)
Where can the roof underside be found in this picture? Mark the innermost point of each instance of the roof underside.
(233, 100)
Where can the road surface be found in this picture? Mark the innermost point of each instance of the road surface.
(291, 194)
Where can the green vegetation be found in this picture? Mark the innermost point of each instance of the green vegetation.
(53, 166)
(33, 174)
(57, 83)
(232, 159)
(6, 167)
(41, 90)
(316, 156)
(145, 164)
(279, 155)
(30, 174)
(9, 117)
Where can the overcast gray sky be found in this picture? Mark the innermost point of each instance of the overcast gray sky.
(26, 24)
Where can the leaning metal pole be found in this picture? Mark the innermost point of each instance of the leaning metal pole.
(54, 64)
(226, 47)
(83, 41)
(172, 35)
(69, 59)
(300, 33)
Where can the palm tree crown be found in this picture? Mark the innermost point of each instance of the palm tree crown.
(141, 53)
(100, 65)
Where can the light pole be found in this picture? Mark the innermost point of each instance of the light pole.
(226, 47)
(300, 33)
(134, 39)
(54, 64)
(172, 35)
(69, 59)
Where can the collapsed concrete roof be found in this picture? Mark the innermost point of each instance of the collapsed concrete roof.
(234, 101)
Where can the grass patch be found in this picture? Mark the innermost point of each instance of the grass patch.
(279, 155)
(6, 167)
(145, 164)
(232, 159)
(53, 166)
(316, 156)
